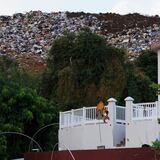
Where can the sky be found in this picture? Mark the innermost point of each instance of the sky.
(146, 7)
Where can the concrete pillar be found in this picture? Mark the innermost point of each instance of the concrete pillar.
(158, 108)
(72, 117)
(112, 116)
(112, 110)
(84, 115)
(158, 54)
(128, 118)
(60, 120)
(129, 112)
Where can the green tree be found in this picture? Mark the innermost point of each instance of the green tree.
(81, 68)
(22, 109)
(139, 86)
(147, 63)
(26, 112)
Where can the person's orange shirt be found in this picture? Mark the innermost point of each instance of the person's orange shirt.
(100, 106)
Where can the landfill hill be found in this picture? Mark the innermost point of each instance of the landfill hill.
(28, 37)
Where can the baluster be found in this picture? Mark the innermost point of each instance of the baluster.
(95, 113)
(60, 120)
(147, 110)
(72, 117)
(84, 115)
(137, 111)
(91, 114)
(151, 110)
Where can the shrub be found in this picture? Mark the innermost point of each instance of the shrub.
(156, 144)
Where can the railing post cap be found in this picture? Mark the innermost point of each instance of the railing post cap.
(129, 99)
(112, 100)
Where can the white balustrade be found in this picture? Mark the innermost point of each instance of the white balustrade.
(120, 114)
(77, 116)
(90, 114)
(80, 116)
(65, 119)
(85, 115)
(143, 111)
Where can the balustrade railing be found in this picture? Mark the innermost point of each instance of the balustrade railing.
(85, 115)
(120, 114)
(65, 118)
(90, 114)
(142, 111)
(78, 117)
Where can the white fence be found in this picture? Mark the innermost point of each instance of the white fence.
(86, 115)
(142, 111)
(78, 117)
(120, 114)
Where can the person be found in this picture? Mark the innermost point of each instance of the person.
(105, 115)
(99, 109)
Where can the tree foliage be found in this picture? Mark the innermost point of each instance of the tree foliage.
(147, 62)
(84, 68)
(156, 144)
(22, 109)
(138, 85)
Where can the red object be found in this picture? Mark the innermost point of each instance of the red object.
(102, 154)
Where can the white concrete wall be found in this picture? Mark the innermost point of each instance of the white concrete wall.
(142, 132)
(90, 136)
(86, 137)
(119, 134)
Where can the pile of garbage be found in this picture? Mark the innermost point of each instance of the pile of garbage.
(34, 32)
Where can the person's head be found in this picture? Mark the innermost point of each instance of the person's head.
(100, 99)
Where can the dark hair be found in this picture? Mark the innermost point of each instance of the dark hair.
(99, 98)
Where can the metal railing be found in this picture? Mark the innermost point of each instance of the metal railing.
(142, 111)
